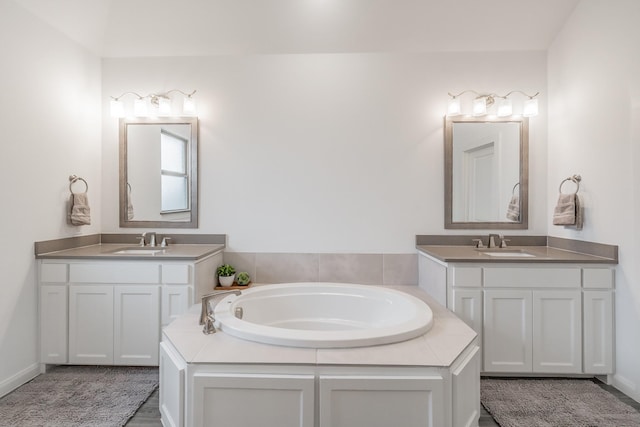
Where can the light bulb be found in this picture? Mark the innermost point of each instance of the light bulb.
(117, 108)
(189, 105)
(140, 107)
(530, 108)
(164, 106)
(505, 108)
(479, 107)
(454, 107)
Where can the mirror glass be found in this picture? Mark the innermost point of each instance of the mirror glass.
(158, 172)
(486, 173)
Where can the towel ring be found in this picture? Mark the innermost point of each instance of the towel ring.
(514, 188)
(73, 179)
(575, 178)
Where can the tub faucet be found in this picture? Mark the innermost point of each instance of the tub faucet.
(206, 313)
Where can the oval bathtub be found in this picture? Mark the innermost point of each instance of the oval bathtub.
(323, 315)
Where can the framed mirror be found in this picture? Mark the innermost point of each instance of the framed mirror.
(159, 172)
(486, 173)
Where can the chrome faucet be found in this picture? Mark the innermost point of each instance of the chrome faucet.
(206, 313)
(492, 241)
(152, 238)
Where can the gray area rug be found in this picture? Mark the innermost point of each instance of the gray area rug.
(554, 403)
(87, 396)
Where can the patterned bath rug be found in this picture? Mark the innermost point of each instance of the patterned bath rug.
(79, 396)
(554, 403)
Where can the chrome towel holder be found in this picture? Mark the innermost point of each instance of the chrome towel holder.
(575, 178)
(75, 178)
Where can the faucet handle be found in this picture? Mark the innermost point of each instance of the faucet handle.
(503, 241)
(141, 239)
(479, 243)
(165, 242)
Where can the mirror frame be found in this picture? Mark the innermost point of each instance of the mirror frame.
(524, 174)
(193, 164)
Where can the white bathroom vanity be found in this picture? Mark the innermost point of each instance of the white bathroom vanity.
(101, 307)
(538, 310)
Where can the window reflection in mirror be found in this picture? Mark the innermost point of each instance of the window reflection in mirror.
(174, 182)
(486, 173)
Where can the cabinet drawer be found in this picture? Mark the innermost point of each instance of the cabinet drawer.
(561, 277)
(115, 273)
(176, 274)
(597, 278)
(53, 273)
(467, 276)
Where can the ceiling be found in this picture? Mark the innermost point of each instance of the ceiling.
(139, 28)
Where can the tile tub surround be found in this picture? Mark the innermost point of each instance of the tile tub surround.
(366, 269)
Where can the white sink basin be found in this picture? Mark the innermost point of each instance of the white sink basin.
(133, 251)
(510, 254)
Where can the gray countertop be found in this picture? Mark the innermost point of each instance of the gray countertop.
(108, 252)
(542, 254)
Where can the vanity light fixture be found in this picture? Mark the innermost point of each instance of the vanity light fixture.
(154, 104)
(483, 101)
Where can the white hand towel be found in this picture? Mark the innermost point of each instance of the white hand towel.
(80, 212)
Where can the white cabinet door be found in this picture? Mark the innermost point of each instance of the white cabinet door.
(557, 332)
(465, 390)
(172, 387)
(467, 304)
(90, 325)
(598, 332)
(53, 324)
(250, 400)
(136, 325)
(382, 401)
(175, 301)
(507, 331)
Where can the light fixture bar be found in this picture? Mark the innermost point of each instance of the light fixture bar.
(482, 102)
(160, 103)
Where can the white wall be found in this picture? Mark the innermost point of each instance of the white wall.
(594, 130)
(324, 152)
(50, 127)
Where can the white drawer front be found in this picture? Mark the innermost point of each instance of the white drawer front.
(467, 276)
(597, 278)
(546, 277)
(53, 273)
(107, 272)
(176, 273)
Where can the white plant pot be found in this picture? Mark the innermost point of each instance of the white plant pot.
(226, 280)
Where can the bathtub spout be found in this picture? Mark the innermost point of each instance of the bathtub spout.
(206, 313)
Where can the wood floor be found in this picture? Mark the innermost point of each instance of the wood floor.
(149, 414)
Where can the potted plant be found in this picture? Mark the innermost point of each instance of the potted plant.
(243, 278)
(226, 274)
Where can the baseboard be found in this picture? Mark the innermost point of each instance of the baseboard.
(15, 381)
(626, 386)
